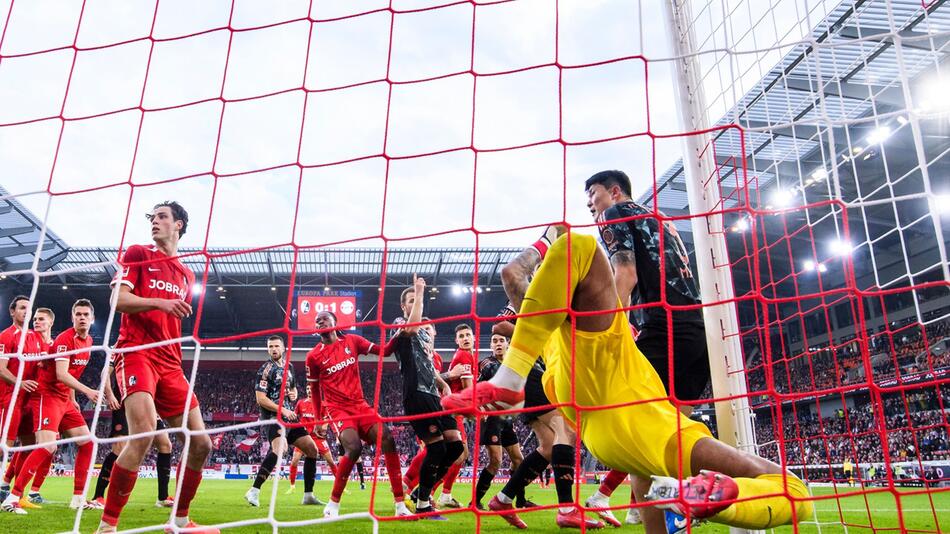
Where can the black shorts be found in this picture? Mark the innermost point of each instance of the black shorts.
(534, 396)
(498, 431)
(428, 427)
(293, 434)
(690, 358)
(120, 424)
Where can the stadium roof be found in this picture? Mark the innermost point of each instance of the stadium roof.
(351, 267)
(859, 75)
(20, 234)
(796, 123)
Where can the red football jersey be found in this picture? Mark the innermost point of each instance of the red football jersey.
(466, 360)
(335, 367)
(437, 362)
(306, 415)
(158, 276)
(46, 369)
(9, 342)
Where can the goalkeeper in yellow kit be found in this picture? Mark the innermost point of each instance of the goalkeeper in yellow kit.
(625, 418)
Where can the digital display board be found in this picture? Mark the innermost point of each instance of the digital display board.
(309, 304)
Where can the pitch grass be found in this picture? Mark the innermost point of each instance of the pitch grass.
(222, 501)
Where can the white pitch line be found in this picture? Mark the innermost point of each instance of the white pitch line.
(878, 512)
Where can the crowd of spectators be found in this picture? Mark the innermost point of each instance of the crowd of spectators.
(903, 354)
(915, 430)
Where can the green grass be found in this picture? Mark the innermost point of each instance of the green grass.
(221, 501)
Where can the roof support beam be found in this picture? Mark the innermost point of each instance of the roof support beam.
(19, 230)
(887, 94)
(17, 250)
(438, 269)
(270, 269)
(109, 269)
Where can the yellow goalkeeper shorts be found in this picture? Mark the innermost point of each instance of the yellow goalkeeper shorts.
(649, 437)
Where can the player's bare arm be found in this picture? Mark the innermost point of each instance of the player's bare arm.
(130, 303)
(62, 374)
(624, 265)
(10, 378)
(110, 397)
(452, 374)
(415, 314)
(270, 405)
(442, 385)
(516, 275)
(503, 328)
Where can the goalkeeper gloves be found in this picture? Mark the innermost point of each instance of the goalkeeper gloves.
(550, 235)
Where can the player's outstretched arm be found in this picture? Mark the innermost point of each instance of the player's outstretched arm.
(130, 303)
(516, 275)
(415, 314)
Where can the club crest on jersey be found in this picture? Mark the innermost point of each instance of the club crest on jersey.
(608, 236)
(61, 348)
(346, 350)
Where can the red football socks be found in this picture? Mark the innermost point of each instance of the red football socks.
(394, 470)
(292, 475)
(343, 469)
(189, 486)
(33, 462)
(121, 484)
(81, 469)
(41, 473)
(411, 479)
(450, 477)
(612, 480)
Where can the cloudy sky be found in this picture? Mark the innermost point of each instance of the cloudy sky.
(231, 103)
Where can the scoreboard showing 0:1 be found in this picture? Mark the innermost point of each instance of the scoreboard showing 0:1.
(320, 306)
(309, 305)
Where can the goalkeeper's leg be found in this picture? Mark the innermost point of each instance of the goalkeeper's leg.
(767, 496)
(575, 274)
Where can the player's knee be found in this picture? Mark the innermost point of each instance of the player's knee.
(136, 449)
(494, 463)
(353, 449)
(544, 450)
(389, 444)
(200, 446)
(435, 452)
(310, 450)
(453, 451)
(163, 444)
